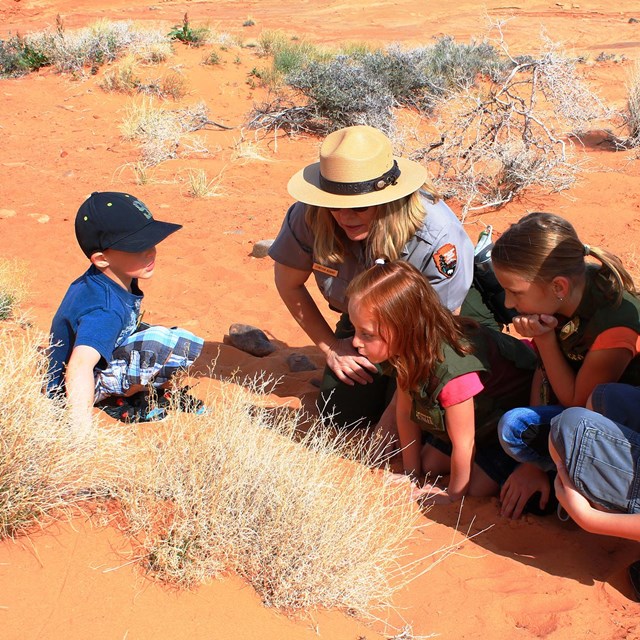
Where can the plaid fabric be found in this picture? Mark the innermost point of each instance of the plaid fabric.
(151, 356)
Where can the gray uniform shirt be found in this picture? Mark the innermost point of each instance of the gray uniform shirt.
(440, 249)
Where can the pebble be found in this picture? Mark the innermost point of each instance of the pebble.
(299, 362)
(261, 248)
(7, 213)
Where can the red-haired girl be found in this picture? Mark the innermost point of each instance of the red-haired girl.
(455, 379)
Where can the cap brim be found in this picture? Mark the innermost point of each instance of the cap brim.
(149, 236)
(305, 187)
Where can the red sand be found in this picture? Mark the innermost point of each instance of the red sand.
(535, 578)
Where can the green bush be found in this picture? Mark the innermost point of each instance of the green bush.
(343, 94)
(19, 57)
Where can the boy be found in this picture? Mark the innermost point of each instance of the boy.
(98, 348)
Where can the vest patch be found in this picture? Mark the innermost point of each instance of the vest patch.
(446, 259)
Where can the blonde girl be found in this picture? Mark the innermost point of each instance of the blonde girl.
(578, 305)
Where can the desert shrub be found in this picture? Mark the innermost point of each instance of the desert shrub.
(13, 287)
(46, 471)
(341, 94)
(361, 86)
(72, 51)
(502, 137)
(193, 36)
(19, 57)
(233, 491)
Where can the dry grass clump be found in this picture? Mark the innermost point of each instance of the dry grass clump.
(13, 286)
(632, 116)
(233, 490)
(160, 132)
(46, 472)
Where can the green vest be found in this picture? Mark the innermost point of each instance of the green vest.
(505, 366)
(595, 314)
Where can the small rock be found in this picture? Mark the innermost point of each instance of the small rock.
(249, 339)
(42, 218)
(7, 213)
(316, 382)
(634, 20)
(261, 248)
(299, 362)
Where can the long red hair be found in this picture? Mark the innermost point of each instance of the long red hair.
(410, 317)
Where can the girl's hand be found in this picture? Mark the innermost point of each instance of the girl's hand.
(348, 365)
(422, 490)
(535, 325)
(432, 493)
(526, 480)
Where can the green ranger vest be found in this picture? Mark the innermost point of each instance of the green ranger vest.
(505, 366)
(597, 313)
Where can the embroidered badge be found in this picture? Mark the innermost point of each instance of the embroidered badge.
(322, 269)
(569, 328)
(446, 259)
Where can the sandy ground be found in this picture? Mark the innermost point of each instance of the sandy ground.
(534, 578)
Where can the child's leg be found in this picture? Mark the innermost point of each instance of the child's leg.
(152, 356)
(601, 457)
(524, 434)
(618, 402)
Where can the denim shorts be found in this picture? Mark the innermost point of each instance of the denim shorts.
(601, 457)
(524, 434)
(619, 402)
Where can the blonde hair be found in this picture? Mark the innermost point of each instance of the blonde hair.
(411, 319)
(542, 246)
(394, 224)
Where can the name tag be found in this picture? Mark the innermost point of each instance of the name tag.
(322, 269)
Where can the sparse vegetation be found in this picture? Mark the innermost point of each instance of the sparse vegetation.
(495, 142)
(46, 472)
(74, 51)
(233, 491)
(632, 116)
(201, 186)
(160, 131)
(185, 32)
(13, 287)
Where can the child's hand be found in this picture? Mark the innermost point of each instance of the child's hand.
(535, 325)
(526, 480)
(422, 490)
(348, 365)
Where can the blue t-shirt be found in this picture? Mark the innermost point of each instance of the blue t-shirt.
(97, 312)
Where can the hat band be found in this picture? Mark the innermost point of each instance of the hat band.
(367, 186)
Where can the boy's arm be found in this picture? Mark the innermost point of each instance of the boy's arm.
(80, 384)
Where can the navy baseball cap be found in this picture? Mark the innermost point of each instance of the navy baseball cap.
(112, 220)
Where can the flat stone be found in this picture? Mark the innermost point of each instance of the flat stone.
(261, 248)
(249, 339)
(299, 362)
(7, 213)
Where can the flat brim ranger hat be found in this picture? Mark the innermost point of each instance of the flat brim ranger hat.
(357, 168)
